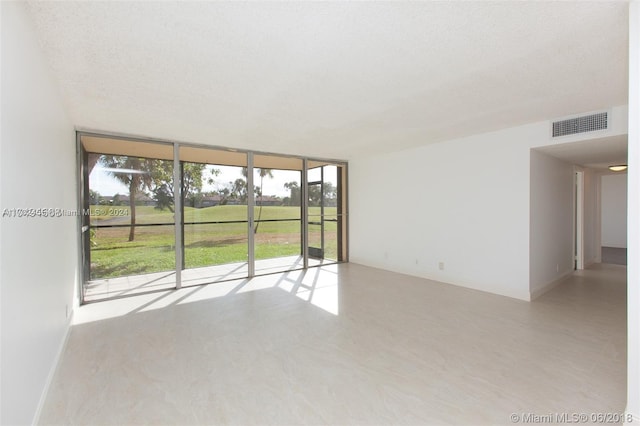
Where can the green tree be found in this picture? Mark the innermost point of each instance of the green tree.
(192, 181)
(94, 197)
(315, 195)
(132, 172)
(238, 190)
(325, 194)
(294, 199)
(263, 173)
(330, 194)
(224, 193)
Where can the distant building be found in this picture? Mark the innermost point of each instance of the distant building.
(208, 201)
(268, 200)
(123, 200)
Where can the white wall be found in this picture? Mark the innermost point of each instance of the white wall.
(463, 202)
(591, 224)
(614, 210)
(551, 221)
(39, 255)
(633, 211)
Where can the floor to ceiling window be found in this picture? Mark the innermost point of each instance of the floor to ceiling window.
(215, 215)
(277, 213)
(129, 241)
(166, 215)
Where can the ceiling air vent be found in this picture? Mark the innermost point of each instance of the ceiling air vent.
(586, 123)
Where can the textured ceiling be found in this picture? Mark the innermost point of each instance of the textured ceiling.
(331, 79)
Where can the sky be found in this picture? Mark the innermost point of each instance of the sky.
(102, 181)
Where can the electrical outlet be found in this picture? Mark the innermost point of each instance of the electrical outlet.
(557, 268)
(441, 266)
(66, 311)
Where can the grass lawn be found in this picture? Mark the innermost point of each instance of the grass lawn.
(153, 249)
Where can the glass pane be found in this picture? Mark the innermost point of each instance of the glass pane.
(315, 199)
(219, 195)
(315, 239)
(215, 244)
(112, 255)
(330, 187)
(215, 217)
(330, 193)
(278, 246)
(131, 237)
(120, 267)
(125, 189)
(277, 214)
(215, 252)
(314, 174)
(331, 237)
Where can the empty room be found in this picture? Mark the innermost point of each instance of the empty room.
(301, 213)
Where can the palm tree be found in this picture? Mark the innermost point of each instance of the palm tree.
(238, 190)
(294, 199)
(131, 171)
(263, 173)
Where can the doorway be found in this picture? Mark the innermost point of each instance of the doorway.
(315, 220)
(325, 213)
(578, 220)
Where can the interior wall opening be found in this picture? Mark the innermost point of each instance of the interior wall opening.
(613, 188)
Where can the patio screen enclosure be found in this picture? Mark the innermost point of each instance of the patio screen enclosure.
(160, 215)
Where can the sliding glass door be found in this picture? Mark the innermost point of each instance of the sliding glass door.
(129, 239)
(215, 215)
(277, 213)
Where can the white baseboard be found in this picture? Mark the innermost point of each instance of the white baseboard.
(521, 296)
(52, 371)
(549, 286)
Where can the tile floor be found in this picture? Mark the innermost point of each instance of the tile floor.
(343, 345)
(107, 288)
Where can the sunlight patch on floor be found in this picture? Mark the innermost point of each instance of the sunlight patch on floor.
(318, 286)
